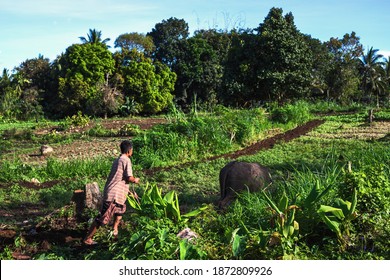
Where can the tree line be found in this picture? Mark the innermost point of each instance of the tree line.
(148, 73)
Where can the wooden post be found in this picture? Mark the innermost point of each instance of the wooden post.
(370, 116)
(79, 199)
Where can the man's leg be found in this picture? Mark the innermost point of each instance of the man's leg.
(91, 232)
(117, 221)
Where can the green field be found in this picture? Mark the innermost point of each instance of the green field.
(331, 197)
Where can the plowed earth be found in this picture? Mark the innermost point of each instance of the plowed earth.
(66, 231)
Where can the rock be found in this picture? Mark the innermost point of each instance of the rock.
(46, 150)
(35, 181)
(93, 197)
(187, 233)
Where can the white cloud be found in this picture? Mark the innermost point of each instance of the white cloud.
(386, 54)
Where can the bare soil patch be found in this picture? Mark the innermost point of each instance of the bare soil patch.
(365, 131)
(87, 149)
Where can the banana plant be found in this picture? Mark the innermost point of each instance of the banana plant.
(337, 218)
(315, 195)
(154, 204)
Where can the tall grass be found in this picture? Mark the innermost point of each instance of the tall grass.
(332, 106)
(296, 113)
(196, 137)
(54, 169)
(297, 167)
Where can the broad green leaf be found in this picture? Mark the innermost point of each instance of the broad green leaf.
(291, 230)
(169, 196)
(337, 212)
(195, 212)
(283, 203)
(291, 217)
(353, 203)
(238, 243)
(344, 205)
(134, 203)
(149, 244)
(156, 196)
(332, 225)
(313, 195)
(163, 234)
(183, 249)
(286, 231)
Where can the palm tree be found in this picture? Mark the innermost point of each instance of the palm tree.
(387, 75)
(373, 73)
(94, 37)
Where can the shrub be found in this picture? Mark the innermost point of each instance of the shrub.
(297, 113)
(129, 130)
(99, 131)
(78, 120)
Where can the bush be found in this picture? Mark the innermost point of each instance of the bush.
(78, 120)
(296, 113)
(99, 131)
(129, 130)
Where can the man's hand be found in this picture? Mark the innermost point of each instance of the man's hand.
(134, 180)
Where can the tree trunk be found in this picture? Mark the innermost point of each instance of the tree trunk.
(79, 199)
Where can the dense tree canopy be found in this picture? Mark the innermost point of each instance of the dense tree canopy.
(134, 40)
(167, 37)
(149, 84)
(274, 62)
(343, 79)
(83, 68)
(198, 70)
(284, 61)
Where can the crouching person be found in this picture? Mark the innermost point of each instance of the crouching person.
(115, 192)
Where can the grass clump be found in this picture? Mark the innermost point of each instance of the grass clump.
(195, 137)
(296, 113)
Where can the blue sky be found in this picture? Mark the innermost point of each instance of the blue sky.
(48, 27)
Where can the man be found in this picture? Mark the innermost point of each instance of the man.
(115, 192)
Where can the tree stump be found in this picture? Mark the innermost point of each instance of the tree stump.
(79, 199)
(93, 197)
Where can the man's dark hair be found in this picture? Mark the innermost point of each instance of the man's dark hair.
(126, 145)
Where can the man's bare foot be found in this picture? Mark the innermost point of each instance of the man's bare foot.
(89, 242)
